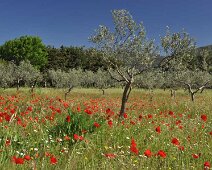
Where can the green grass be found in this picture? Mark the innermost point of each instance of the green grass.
(41, 131)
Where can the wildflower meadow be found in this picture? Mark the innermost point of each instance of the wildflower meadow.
(43, 131)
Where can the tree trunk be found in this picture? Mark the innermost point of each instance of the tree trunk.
(151, 95)
(103, 91)
(127, 90)
(45, 84)
(33, 86)
(192, 96)
(173, 93)
(32, 89)
(202, 90)
(18, 85)
(69, 90)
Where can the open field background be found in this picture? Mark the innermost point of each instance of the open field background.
(42, 131)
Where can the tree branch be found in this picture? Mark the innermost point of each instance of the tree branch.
(129, 92)
(202, 87)
(121, 74)
(119, 80)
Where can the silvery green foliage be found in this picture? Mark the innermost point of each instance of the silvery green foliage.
(58, 78)
(12, 74)
(75, 77)
(169, 80)
(103, 79)
(195, 79)
(6, 76)
(179, 51)
(150, 79)
(87, 79)
(125, 48)
(62, 79)
(204, 56)
(30, 75)
(26, 72)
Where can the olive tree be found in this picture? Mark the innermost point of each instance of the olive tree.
(24, 72)
(194, 81)
(180, 50)
(103, 80)
(62, 79)
(87, 79)
(150, 79)
(6, 76)
(125, 49)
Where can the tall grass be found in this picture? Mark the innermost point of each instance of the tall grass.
(39, 127)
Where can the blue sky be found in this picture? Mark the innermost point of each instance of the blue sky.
(71, 22)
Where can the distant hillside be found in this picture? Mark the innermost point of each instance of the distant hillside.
(208, 47)
(209, 59)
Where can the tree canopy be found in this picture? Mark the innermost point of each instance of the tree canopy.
(25, 48)
(125, 49)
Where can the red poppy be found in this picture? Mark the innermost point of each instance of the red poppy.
(17, 160)
(181, 148)
(96, 124)
(58, 110)
(78, 109)
(47, 154)
(8, 142)
(133, 147)
(149, 116)
(109, 112)
(195, 156)
(161, 153)
(7, 117)
(133, 142)
(134, 150)
(175, 141)
(158, 129)
(29, 108)
(207, 165)
(148, 153)
(77, 137)
(178, 122)
(171, 113)
(66, 138)
(204, 118)
(89, 112)
(189, 116)
(132, 122)
(27, 157)
(65, 104)
(110, 123)
(125, 115)
(12, 111)
(68, 118)
(53, 160)
(110, 155)
(140, 117)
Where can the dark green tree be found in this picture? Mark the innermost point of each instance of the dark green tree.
(25, 48)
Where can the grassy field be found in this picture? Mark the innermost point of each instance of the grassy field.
(42, 131)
